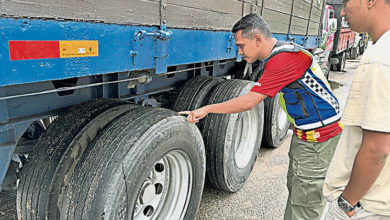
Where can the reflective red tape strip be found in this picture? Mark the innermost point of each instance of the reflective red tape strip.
(27, 50)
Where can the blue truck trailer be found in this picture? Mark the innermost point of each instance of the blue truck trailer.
(89, 94)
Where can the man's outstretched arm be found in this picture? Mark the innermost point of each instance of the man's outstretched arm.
(235, 105)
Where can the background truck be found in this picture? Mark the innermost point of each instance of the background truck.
(89, 94)
(359, 45)
(329, 29)
(362, 42)
(344, 39)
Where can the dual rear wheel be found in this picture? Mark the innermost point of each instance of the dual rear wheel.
(108, 159)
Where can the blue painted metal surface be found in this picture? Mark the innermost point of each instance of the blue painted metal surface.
(115, 44)
(118, 49)
(9, 136)
(3, 107)
(308, 42)
(6, 152)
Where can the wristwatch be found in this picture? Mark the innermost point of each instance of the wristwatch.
(345, 205)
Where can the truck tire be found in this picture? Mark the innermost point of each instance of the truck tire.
(348, 54)
(148, 163)
(232, 140)
(273, 135)
(354, 53)
(362, 47)
(54, 155)
(342, 59)
(195, 92)
(275, 123)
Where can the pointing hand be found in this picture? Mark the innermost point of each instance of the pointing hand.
(195, 115)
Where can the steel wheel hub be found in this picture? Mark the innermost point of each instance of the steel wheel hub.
(282, 119)
(166, 191)
(246, 131)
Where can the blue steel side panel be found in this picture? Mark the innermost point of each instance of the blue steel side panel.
(6, 153)
(308, 42)
(115, 44)
(203, 45)
(9, 136)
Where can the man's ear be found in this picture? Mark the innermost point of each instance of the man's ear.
(258, 38)
(370, 3)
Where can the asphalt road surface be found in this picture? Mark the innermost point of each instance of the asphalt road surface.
(263, 196)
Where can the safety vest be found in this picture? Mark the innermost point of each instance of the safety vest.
(309, 101)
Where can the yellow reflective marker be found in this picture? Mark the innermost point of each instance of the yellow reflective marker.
(79, 48)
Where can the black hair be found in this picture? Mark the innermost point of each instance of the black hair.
(252, 24)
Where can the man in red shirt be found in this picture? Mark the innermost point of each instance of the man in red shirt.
(307, 99)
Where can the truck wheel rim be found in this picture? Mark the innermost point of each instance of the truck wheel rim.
(282, 119)
(166, 191)
(246, 130)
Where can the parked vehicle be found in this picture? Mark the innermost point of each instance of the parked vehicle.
(328, 37)
(344, 38)
(89, 94)
(363, 42)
